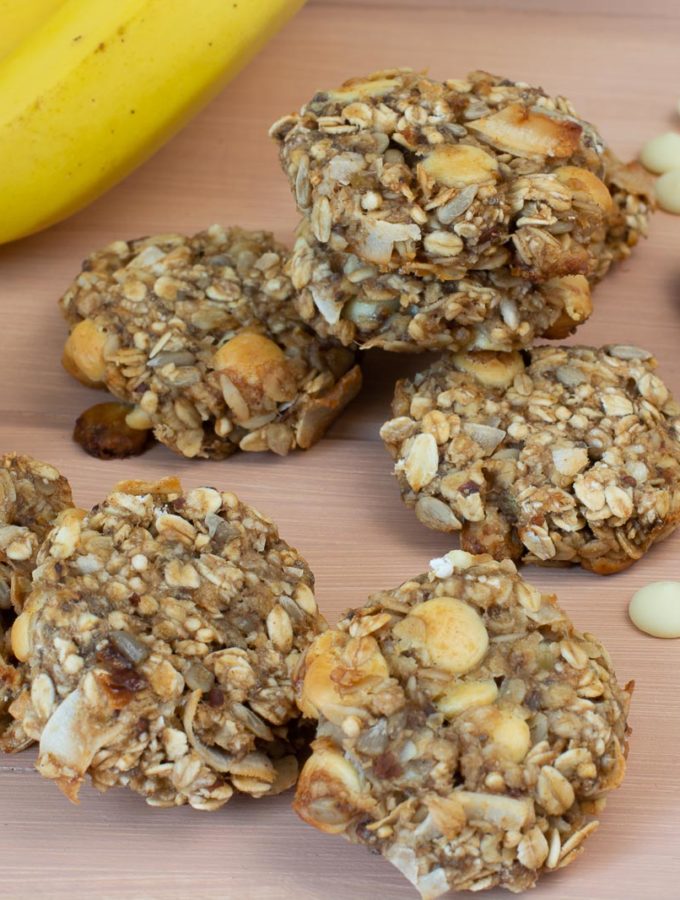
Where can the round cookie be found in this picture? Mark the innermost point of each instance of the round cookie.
(201, 334)
(465, 730)
(555, 456)
(159, 640)
(438, 178)
(343, 297)
(32, 494)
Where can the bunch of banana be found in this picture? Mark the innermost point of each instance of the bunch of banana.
(91, 88)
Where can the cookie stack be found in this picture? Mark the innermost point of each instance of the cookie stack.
(473, 217)
(463, 215)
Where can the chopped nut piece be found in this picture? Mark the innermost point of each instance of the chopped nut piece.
(452, 736)
(171, 665)
(559, 456)
(103, 432)
(494, 370)
(457, 165)
(85, 352)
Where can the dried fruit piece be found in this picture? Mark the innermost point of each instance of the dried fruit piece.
(103, 432)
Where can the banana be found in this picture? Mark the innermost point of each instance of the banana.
(18, 18)
(100, 86)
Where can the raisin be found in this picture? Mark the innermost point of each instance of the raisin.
(103, 432)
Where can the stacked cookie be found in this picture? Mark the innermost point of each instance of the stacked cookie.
(473, 217)
(463, 215)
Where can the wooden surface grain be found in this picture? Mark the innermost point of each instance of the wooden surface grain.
(338, 503)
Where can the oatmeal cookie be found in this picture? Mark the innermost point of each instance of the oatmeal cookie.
(159, 640)
(465, 730)
(32, 494)
(438, 178)
(555, 456)
(343, 297)
(201, 334)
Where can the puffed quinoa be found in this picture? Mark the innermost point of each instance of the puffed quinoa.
(560, 455)
(465, 730)
(201, 335)
(159, 641)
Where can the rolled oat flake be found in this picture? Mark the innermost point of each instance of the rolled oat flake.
(655, 609)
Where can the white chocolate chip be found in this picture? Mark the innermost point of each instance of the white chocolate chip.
(668, 191)
(446, 633)
(655, 609)
(662, 153)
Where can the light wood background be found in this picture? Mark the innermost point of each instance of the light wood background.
(619, 63)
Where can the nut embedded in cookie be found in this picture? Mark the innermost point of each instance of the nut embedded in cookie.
(562, 455)
(169, 669)
(201, 336)
(470, 763)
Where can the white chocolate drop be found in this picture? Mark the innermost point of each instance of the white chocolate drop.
(655, 609)
(668, 191)
(445, 632)
(662, 153)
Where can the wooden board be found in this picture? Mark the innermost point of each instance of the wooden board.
(338, 503)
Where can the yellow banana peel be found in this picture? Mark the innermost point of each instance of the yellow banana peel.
(100, 85)
(18, 18)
